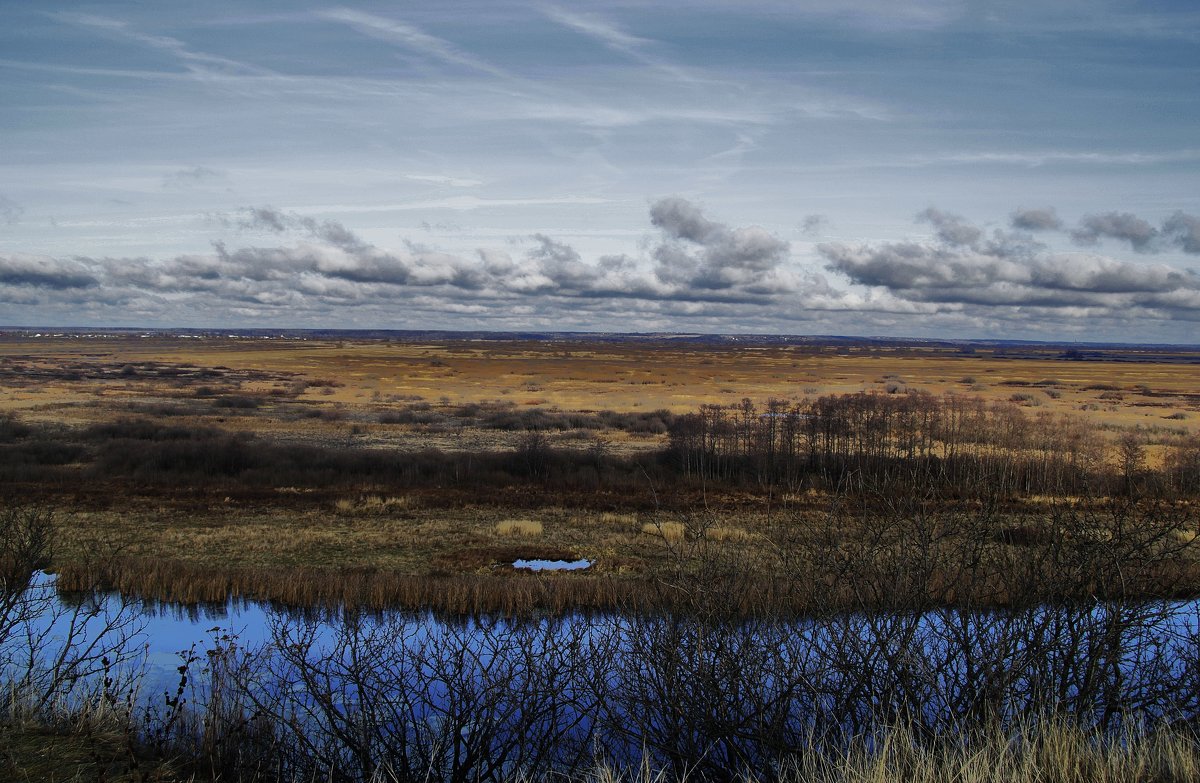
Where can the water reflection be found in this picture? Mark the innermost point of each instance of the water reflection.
(342, 695)
(553, 565)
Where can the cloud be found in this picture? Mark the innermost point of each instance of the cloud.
(1116, 225)
(1183, 230)
(966, 268)
(690, 268)
(682, 219)
(28, 271)
(705, 254)
(442, 179)
(923, 273)
(265, 218)
(561, 264)
(951, 229)
(187, 178)
(1042, 219)
(10, 211)
(276, 221)
(197, 63)
(593, 27)
(813, 225)
(410, 37)
(316, 267)
(613, 37)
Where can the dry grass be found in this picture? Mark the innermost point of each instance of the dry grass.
(728, 533)
(1054, 753)
(365, 527)
(628, 521)
(1184, 537)
(526, 528)
(619, 376)
(294, 554)
(669, 531)
(31, 752)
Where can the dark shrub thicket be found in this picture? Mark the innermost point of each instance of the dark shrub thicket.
(953, 444)
(960, 443)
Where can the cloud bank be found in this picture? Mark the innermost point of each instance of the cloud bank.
(1011, 273)
(691, 269)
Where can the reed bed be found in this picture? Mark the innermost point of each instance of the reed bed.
(464, 594)
(461, 594)
(1055, 752)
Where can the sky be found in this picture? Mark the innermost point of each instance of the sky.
(906, 168)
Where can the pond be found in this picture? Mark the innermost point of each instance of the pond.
(491, 696)
(553, 565)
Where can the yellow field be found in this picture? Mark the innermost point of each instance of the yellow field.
(582, 376)
(170, 536)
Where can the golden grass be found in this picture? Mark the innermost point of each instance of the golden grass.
(527, 528)
(728, 533)
(620, 376)
(629, 521)
(1056, 753)
(669, 531)
(1184, 537)
(373, 504)
(306, 528)
(1053, 753)
(226, 544)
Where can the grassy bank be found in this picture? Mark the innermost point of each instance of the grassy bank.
(1053, 754)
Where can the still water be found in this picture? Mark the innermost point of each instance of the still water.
(411, 688)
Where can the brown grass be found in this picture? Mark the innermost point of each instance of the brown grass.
(728, 533)
(32, 752)
(628, 521)
(1054, 753)
(373, 375)
(519, 527)
(282, 390)
(668, 531)
(373, 504)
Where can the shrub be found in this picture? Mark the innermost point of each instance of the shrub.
(238, 402)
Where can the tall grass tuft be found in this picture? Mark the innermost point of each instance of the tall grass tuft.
(619, 520)
(519, 527)
(728, 533)
(1055, 752)
(668, 531)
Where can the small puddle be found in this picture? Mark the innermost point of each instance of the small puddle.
(552, 565)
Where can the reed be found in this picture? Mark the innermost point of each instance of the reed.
(373, 505)
(672, 532)
(1053, 753)
(519, 527)
(728, 533)
(463, 594)
(619, 520)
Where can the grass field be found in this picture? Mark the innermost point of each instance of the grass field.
(76, 380)
(477, 396)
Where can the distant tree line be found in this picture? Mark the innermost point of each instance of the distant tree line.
(953, 443)
(958, 442)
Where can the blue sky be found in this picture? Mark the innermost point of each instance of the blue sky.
(935, 168)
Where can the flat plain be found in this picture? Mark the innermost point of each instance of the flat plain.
(392, 398)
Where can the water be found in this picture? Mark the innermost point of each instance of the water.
(553, 565)
(494, 695)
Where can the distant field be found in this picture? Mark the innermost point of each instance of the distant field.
(196, 532)
(83, 380)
